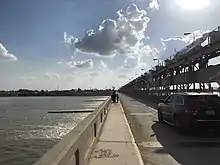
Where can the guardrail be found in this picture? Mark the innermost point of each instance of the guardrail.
(75, 147)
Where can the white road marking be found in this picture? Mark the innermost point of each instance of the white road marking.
(141, 114)
(151, 144)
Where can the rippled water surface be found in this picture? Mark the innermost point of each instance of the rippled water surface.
(27, 131)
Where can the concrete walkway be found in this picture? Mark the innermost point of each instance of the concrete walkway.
(116, 144)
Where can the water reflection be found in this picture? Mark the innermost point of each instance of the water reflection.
(27, 131)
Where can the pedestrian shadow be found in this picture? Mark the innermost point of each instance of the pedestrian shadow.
(193, 149)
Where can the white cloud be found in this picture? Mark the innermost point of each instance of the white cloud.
(52, 76)
(153, 5)
(143, 58)
(145, 52)
(102, 64)
(173, 44)
(70, 64)
(5, 55)
(131, 62)
(113, 36)
(195, 35)
(80, 64)
(93, 74)
(188, 38)
(59, 62)
(123, 38)
(83, 64)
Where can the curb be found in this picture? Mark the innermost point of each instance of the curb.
(132, 137)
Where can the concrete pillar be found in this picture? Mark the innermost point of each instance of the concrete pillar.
(210, 87)
(194, 86)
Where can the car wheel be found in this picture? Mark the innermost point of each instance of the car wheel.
(160, 116)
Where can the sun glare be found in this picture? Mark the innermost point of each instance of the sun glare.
(193, 4)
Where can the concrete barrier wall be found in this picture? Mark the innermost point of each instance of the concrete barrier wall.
(144, 95)
(75, 147)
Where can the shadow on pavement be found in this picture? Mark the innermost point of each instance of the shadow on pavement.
(202, 148)
(146, 101)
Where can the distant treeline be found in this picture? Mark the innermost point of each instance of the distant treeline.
(73, 92)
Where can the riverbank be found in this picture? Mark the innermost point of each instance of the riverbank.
(24, 92)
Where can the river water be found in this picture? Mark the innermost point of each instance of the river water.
(27, 131)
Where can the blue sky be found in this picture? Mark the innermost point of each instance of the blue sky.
(35, 53)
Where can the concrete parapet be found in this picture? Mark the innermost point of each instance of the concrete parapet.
(144, 95)
(75, 147)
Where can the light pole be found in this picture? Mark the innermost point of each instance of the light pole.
(187, 33)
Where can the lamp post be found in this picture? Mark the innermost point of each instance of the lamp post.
(187, 33)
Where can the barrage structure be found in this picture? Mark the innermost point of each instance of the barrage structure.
(186, 71)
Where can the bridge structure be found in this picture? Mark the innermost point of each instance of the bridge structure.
(127, 133)
(185, 71)
(103, 137)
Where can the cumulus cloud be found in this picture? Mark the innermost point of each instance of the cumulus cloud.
(69, 64)
(93, 74)
(153, 5)
(195, 35)
(173, 44)
(147, 53)
(102, 64)
(170, 46)
(83, 64)
(112, 37)
(5, 55)
(80, 64)
(131, 62)
(52, 76)
(124, 38)
(142, 59)
(187, 38)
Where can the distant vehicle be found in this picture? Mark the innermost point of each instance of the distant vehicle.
(186, 111)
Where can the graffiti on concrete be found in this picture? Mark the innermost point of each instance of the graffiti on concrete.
(104, 153)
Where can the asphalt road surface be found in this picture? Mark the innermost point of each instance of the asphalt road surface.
(159, 144)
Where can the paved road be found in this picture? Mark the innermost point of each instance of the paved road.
(159, 144)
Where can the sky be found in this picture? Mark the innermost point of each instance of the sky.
(66, 44)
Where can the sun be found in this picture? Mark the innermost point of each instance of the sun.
(193, 4)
